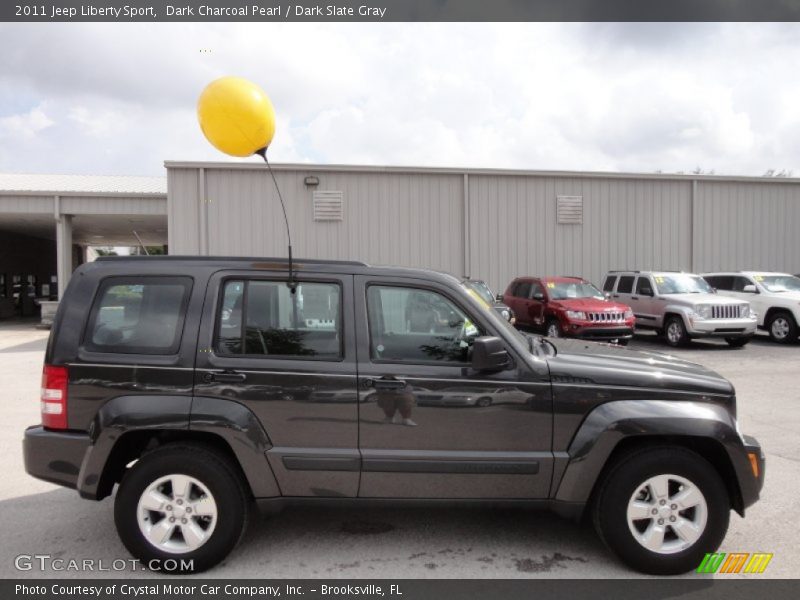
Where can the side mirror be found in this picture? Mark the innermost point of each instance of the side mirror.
(607, 295)
(539, 296)
(489, 354)
(750, 289)
(499, 297)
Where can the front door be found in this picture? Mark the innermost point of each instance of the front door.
(290, 358)
(429, 425)
(645, 310)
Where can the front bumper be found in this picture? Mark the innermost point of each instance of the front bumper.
(587, 332)
(721, 327)
(54, 456)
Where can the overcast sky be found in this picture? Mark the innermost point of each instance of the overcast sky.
(120, 98)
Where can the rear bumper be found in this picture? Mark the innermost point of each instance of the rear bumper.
(54, 456)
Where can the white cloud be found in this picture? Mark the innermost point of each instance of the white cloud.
(25, 125)
(552, 96)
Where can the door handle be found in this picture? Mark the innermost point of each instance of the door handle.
(634, 297)
(224, 377)
(385, 383)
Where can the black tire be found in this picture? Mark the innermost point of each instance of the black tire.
(484, 402)
(622, 342)
(216, 473)
(552, 323)
(787, 325)
(676, 324)
(623, 480)
(738, 342)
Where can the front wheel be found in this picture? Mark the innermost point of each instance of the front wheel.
(662, 509)
(782, 327)
(737, 342)
(181, 502)
(675, 332)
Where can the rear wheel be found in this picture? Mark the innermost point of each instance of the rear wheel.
(675, 332)
(182, 502)
(782, 327)
(662, 509)
(737, 342)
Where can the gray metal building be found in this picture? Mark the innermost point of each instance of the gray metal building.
(492, 224)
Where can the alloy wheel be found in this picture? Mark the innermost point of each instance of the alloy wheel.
(667, 514)
(177, 514)
(780, 328)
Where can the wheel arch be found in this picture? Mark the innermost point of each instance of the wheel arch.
(613, 430)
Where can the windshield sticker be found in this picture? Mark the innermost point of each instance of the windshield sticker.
(551, 285)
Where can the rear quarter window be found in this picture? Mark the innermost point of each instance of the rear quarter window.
(138, 315)
(608, 286)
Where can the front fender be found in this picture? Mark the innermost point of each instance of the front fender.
(610, 423)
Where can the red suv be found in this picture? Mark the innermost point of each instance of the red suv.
(568, 307)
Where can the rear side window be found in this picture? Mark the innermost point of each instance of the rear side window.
(625, 285)
(141, 315)
(720, 282)
(264, 318)
(608, 286)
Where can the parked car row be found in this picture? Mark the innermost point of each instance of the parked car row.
(678, 306)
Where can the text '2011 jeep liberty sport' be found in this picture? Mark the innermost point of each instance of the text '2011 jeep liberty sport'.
(197, 385)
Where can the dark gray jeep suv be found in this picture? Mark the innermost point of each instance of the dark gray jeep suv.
(200, 385)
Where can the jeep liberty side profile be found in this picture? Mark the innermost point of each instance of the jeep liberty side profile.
(193, 388)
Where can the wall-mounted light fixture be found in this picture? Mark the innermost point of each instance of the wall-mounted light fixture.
(311, 181)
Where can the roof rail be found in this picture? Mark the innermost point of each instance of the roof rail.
(175, 257)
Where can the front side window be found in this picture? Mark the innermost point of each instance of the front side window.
(139, 316)
(266, 318)
(643, 286)
(413, 325)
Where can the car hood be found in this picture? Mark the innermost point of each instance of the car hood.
(695, 299)
(591, 363)
(589, 304)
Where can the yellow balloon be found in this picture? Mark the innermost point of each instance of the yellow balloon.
(236, 116)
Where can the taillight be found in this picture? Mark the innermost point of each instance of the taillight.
(54, 397)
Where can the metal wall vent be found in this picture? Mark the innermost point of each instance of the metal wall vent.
(328, 206)
(570, 210)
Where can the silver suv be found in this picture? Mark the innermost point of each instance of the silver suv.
(681, 306)
(774, 296)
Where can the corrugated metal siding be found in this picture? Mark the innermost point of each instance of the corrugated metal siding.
(411, 220)
(26, 204)
(744, 226)
(183, 211)
(417, 219)
(626, 224)
(115, 205)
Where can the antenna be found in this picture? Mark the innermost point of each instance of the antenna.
(292, 283)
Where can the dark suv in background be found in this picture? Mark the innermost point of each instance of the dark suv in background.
(195, 386)
(568, 307)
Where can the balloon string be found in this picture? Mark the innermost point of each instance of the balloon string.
(292, 283)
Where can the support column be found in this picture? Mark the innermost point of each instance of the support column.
(63, 252)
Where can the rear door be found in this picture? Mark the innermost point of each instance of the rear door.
(291, 359)
(430, 426)
(624, 292)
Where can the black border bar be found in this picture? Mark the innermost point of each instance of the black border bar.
(150, 11)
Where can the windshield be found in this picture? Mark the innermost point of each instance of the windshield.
(565, 290)
(483, 290)
(779, 283)
(682, 284)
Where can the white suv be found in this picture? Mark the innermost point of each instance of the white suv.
(681, 306)
(774, 296)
